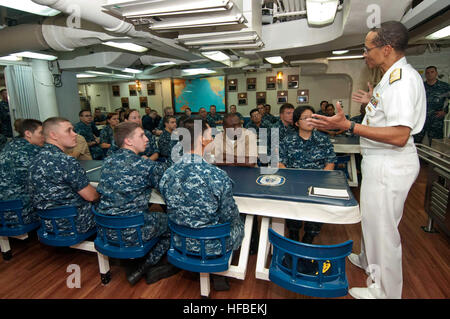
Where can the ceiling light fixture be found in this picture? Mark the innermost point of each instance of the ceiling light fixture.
(83, 75)
(197, 22)
(219, 38)
(197, 71)
(440, 34)
(320, 12)
(35, 55)
(142, 8)
(128, 70)
(216, 56)
(11, 58)
(339, 52)
(29, 6)
(126, 46)
(347, 57)
(249, 46)
(274, 59)
(164, 63)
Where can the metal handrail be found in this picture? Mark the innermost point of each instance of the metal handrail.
(430, 155)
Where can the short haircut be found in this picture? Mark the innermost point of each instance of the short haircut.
(254, 110)
(299, 111)
(190, 124)
(110, 115)
(329, 104)
(82, 111)
(28, 125)
(167, 118)
(188, 108)
(167, 108)
(128, 112)
(286, 106)
(228, 116)
(52, 122)
(2, 90)
(182, 119)
(324, 101)
(392, 33)
(431, 67)
(17, 125)
(124, 130)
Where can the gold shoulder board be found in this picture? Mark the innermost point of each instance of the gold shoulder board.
(395, 75)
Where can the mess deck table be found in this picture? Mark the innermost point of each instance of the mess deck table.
(289, 200)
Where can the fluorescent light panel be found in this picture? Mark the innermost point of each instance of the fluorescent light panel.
(29, 6)
(197, 22)
(274, 59)
(249, 46)
(216, 55)
(348, 57)
(128, 70)
(11, 58)
(197, 71)
(83, 75)
(321, 12)
(338, 52)
(440, 34)
(219, 38)
(164, 63)
(126, 46)
(168, 7)
(35, 55)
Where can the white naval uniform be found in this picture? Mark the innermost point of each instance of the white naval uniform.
(388, 173)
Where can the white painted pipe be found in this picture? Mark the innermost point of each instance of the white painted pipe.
(90, 10)
(45, 89)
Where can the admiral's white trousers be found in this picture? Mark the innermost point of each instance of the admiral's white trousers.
(386, 180)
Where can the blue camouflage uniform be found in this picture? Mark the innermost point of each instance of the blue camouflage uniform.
(314, 153)
(5, 119)
(86, 131)
(15, 159)
(107, 136)
(284, 131)
(55, 179)
(358, 118)
(152, 146)
(3, 141)
(165, 144)
(269, 118)
(264, 125)
(125, 186)
(213, 119)
(436, 96)
(199, 194)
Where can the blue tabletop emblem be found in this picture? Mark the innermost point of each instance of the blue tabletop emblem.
(270, 180)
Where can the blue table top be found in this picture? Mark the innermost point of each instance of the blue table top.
(295, 188)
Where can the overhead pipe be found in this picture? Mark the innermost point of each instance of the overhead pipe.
(92, 11)
(24, 37)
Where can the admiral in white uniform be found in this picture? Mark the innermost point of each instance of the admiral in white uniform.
(395, 112)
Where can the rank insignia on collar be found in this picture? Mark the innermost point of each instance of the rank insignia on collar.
(395, 75)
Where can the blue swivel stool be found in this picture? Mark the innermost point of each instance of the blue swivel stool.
(323, 273)
(69, 236)
(110, 241)
(14, 228)
(200, 262)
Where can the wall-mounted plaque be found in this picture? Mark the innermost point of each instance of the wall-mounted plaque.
(232, 85)
(133, 90)
(116, 90)
(143, 101)
(292, 81)
(251, 84)
(302, 96)
(242, 98)
(271, 82)
(125, 103)
(260, 98)
(151, 88)
(282, 97)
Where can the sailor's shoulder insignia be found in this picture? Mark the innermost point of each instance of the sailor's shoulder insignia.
(395, 75)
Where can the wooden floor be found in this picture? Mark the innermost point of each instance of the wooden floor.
(40, 272)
